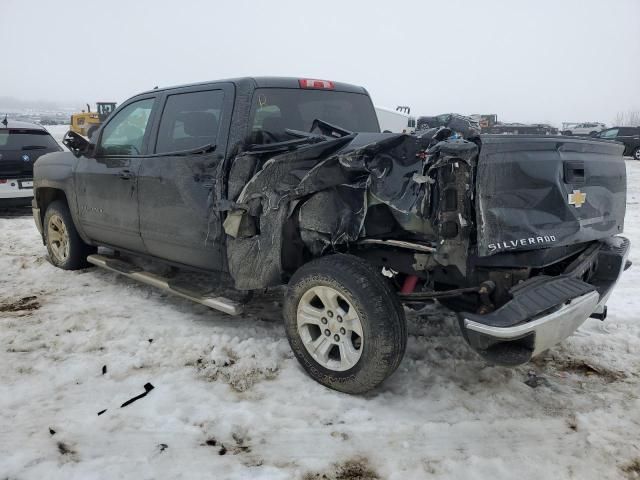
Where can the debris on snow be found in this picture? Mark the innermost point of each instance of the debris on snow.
(355, 469)
(23, 304)
(147, 388)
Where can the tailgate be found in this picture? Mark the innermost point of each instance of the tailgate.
(538, 192)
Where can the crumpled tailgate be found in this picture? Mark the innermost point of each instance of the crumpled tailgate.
(541, 191)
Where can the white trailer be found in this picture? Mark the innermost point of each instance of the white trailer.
(395, 121)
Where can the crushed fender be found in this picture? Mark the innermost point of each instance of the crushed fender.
(327, 195)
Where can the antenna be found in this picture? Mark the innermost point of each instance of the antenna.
(5, 122)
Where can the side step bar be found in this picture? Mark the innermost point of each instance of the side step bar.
(136, 273)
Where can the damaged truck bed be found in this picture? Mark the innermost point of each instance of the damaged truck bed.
(288, 181)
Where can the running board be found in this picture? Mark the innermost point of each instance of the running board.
(136, 273)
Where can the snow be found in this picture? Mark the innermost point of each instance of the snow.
(233, 382)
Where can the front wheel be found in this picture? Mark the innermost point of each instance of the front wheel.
(636, 153)
(344, 323)
(65, 247)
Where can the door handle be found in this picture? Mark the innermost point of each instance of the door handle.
(574, 172)
(126, 174)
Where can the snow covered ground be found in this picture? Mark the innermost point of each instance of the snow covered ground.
(230, 401)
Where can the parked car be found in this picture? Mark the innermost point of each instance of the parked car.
(630, 136)
(272, 181)
(21, 144)
(584, 129)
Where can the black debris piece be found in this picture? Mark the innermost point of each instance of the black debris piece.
(101, 412)
(151, 340)
(212, 442)
(534, 381)
(51, 431)
(147, 388)
(104, 369)
(223, 450)
(163, 447)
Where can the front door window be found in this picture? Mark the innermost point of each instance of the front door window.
(124, 134)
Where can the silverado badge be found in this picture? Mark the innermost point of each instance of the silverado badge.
(577, 198)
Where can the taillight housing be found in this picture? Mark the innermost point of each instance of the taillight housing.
(315, 83)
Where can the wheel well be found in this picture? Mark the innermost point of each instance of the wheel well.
(45, 196)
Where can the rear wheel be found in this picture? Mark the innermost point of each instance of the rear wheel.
(344, 323)
(636, 153)
(65, 247)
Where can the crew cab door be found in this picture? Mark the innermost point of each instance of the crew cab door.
(178, 181)
(106, 183)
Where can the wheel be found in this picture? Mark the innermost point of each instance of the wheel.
(636, 153)
(65, 247)
(344, 323)
(567, 132)
(91, 131)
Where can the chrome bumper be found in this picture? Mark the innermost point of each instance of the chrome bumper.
(548, 330)
(546, 312)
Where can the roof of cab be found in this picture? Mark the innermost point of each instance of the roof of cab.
(14, 124)
(266, 82)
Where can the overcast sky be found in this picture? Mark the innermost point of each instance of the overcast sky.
(528, 61)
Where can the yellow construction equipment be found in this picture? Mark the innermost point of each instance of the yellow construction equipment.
(86, 123)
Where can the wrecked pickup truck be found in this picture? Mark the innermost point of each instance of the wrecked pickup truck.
(262, 182)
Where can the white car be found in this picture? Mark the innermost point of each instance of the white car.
(586, 129)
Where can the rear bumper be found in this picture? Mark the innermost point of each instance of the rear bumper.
(16, 188)
(546, 310)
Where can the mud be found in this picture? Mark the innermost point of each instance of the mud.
(23, 304)
(631, 470)
(354, 469)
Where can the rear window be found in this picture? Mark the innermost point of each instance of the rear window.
(276, 109)
(20, 139)
(190, 120)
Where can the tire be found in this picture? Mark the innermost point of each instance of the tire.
(567, 133)
(364, 347)
(636, 153)
(91, 131)
(65, 247)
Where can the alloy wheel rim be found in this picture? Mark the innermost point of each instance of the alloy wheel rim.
(58, 238)
(330, 328)
(637, 154)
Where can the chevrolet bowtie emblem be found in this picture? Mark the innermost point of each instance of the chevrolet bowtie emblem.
(577, 198)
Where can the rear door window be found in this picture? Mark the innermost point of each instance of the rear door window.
(189, 121)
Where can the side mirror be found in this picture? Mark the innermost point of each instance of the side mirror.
(79, 145)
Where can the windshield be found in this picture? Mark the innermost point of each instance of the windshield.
(14, 139)
(276, 109)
